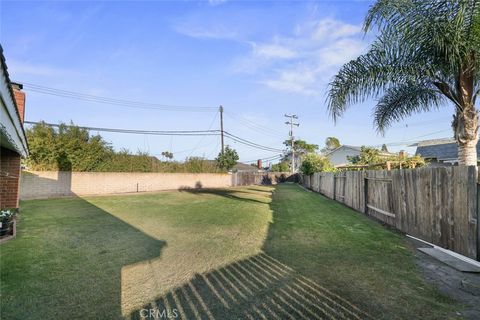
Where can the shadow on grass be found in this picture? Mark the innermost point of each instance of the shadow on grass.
(258, 287)
(234, 194)
(70, 254)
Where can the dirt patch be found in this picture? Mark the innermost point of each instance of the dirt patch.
(460, 286)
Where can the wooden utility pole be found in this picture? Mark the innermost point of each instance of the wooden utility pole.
(292, 138)
(221, 126)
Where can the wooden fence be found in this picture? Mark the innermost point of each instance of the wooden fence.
(438, 205)
(262, 178)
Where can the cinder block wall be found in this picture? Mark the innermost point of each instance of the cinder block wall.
(51, 184)
(9, 178)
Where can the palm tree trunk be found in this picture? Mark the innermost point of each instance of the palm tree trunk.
(465, 124)
(467, 153)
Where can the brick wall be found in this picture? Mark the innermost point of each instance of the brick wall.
(50, 184)
(9, 178)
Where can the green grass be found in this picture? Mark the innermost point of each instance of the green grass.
(218, 254)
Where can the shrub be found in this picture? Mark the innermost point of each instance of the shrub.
(312, 163)
(282, 166)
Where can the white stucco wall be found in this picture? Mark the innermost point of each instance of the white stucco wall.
(339, 156)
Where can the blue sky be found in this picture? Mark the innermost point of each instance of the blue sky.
(259, 59)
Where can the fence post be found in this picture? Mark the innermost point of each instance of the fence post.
(365, 192)
(334, 187)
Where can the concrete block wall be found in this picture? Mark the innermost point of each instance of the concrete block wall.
(51, 184)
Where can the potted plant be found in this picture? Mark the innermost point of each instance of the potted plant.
(7, 218)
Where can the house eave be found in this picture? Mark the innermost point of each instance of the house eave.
(11, 127)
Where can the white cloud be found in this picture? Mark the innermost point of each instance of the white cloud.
(216, 2)
(302, 61)
(334, 29)
(305, 61)
(211, 32)
(273, 51)
(17, 68)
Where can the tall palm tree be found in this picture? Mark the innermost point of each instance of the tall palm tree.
(427, 53)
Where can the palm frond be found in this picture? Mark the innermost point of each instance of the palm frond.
(385, 65)
(421, 43)
(404, 100)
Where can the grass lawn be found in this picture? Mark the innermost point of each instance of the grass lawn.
(247, 252)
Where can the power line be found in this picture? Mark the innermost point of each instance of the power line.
(134, 131)
(167, 133)
(238, 139)
(411, 140)
(113, 101)
(203, 138)
(251, 145)
(266, 159)
(253, 125)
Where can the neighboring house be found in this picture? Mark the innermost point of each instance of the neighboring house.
(13, 143)
(341, 156)
(440, 152)
(243, 167)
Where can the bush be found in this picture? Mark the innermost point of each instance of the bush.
(282, 166)
(227, 159)
(312, 163)
(71, 148)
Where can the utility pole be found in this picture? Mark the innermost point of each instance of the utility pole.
(221, 125)
(292, 137)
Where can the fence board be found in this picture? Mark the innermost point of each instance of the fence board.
(438, 205)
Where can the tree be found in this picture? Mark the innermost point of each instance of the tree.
(331, 143)
(368, 156)
(282, 166)
(227, 159)
(426, 53)
(68, 148)
(301, 146)
(167, 155)
(373, 159)
(384, 148)
(313, 162)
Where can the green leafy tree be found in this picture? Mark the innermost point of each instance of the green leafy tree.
(426, 54)
(198, 165)
(313, 162)
(68, 148)
(368, 156)
(227, 159)
(282, 166)
(332, 143)
(167, 155)
(384, 148)
(42, 143)
(301, 146)
(374, 159)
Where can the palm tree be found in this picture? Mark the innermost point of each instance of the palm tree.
(427, 53)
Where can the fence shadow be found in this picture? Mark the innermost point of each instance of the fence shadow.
(259, 287)
(235, 194)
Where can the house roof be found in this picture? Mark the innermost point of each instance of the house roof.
(440, 149)
(11, 126)
(342, 147)
(356, 148)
